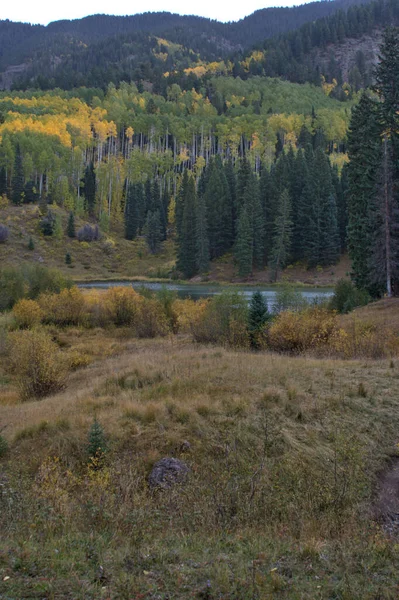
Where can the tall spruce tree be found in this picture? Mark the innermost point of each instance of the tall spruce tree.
(364, 150)
(71, 232)
(258, 316)
(282, 236)
(387, 88)
(132, 220)
(17, 181)
(89, 189)
(202, 255)
(187, 238)
(153, 231)
(243, 250)
(3, 181)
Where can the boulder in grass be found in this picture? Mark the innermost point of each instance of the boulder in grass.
(168, 472)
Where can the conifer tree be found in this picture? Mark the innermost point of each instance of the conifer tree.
(269, 202)
(3, 181)
(89, 189)
(187, 239)
(71, 225)
(153, 231)
(364, 149)
(218, 209)
(282, 236)
(258, 316)
(132, 221)
(244, 244)
(202, 256)
(17, 182)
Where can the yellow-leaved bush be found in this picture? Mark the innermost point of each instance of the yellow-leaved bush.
(38, 363)
(297, 332)
(27, 313)
(66, 308)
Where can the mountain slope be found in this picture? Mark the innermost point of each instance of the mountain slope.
(39, 49)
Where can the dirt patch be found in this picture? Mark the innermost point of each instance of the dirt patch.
(386, 508)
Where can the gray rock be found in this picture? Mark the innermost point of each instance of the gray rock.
(167, 472)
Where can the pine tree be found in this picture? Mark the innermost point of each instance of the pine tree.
(386, 257)
(3, 181)
(30, 193)
(132, 221)
(244, 245)
(71, 226)
(258, 316)
(97, 446)
(153, 232)
(218, 207)
(202, 255)
(282, 236)
(89, 189)
(17, 182)
(187, 239)
(317, 213)
(269, 202)
(364, 149)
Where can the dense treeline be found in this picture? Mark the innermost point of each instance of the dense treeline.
(298, 55)
(373, 175)
(131, 137)
(293, 212)
(100, 33)
(179, 168)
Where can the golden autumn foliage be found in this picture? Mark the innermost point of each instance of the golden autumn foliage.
(66, 308)
(297, 332)
(121, 305)
(38, 363)
(27, 313)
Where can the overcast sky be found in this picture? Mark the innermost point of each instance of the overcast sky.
(39, 11)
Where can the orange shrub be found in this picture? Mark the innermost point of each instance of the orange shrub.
(27, 313)
(188, 311)
(66, 308)
(151, 320)
(121, 305)
(297, 332)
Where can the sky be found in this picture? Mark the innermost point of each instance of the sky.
(45, 11)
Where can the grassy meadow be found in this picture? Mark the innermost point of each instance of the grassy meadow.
(287, 454)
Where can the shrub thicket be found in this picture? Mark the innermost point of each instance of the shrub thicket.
(27, 313)
(297, 332)
(66, 308)
(347, 297)
(88, 233)
(223, 320)
(37, 362)
(29, 281)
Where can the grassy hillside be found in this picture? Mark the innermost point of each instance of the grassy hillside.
(285, 456)
(114, 257)
(109, 258)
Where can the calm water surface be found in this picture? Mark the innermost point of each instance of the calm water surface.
(188, 290)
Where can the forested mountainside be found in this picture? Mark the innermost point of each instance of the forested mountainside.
(108, 48)
(217, 157)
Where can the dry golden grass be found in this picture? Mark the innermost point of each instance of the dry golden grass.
(382, 314)
(284, 455)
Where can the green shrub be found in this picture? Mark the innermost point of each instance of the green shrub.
(97, 446)
(3, 446)
(347, 297)
(288, 298)
(223, 320)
